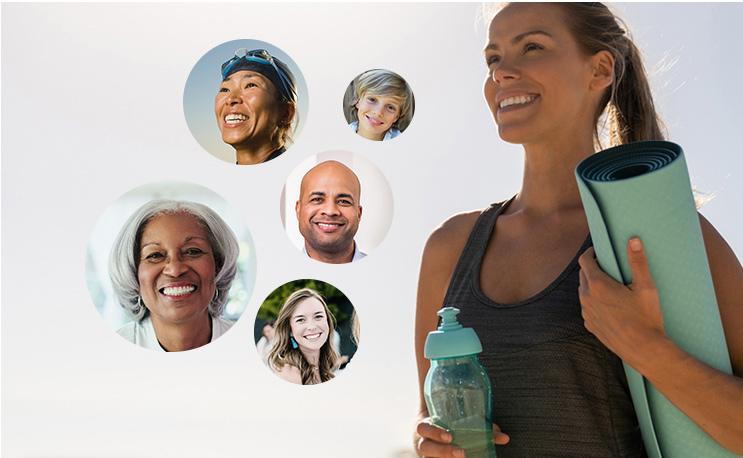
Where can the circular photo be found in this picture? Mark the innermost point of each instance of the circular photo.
(378, 105)
(336, 207)
(245, 102)
(306, 332)
(170, 266)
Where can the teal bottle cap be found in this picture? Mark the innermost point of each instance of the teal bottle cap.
(451, 340)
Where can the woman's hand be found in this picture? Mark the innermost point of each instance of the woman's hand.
(432, 441)
(629, 321)
(623, 317)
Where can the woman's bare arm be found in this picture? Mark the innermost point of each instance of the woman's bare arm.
(440, 256)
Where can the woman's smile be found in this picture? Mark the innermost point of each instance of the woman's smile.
(234, 119)
(309, 325)
(176, 269)
(313, 337)
(178, 291)
(248, 109)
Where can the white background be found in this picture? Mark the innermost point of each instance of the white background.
(92, 108)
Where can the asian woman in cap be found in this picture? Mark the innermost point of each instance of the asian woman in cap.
(256, 105)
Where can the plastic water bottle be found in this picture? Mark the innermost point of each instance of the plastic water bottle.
(457, 389)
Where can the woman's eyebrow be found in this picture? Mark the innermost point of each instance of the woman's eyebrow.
(188, 239)
(518, 38)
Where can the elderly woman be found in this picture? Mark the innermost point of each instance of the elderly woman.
(172, 266)
(302, 352)
(256, 105)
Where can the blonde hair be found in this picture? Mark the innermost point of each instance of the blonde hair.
(283, 353)
(383, 83)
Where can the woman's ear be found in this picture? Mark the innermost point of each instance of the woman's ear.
(288, 114)
(602, 64)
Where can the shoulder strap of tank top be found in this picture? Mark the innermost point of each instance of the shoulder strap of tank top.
(476, 245)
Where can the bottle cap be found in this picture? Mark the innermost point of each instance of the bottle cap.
(451, 340)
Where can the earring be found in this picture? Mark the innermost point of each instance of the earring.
(294, 342)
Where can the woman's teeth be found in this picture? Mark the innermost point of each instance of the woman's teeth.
(235, 118)
(516, 101)
(313, 336)
(178, 290)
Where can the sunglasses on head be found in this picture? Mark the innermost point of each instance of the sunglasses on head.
(256, 55)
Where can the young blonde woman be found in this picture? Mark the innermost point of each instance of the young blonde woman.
(523, 272)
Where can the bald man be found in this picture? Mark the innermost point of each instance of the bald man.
(328, 211)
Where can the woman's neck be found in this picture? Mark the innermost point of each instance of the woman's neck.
(248, 155)
(549, 182)
(183, 336)
(312, 357)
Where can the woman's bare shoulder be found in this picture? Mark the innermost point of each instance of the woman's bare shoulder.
(441, 253)
(290, 373)
(450, 236)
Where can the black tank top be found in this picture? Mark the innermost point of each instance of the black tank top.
(557, 390)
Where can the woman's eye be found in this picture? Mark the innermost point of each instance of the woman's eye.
(531, 47)
(391, 107)
(371, 99)
(492, 60)
(194, 252)
(223, 89)
(249, 85)
(154, 256)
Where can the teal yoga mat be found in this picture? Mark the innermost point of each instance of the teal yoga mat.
(642, 189)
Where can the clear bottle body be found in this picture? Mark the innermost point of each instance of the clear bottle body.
(459, 397)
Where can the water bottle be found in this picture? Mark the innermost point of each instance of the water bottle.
(457, 389)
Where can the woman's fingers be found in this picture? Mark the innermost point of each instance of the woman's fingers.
(638, 263)
(435, 441)
(433, 449)
(498, 437)
(429, 431)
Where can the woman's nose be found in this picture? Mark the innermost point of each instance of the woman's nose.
(233, 99)
(505, 71)
(175, 266)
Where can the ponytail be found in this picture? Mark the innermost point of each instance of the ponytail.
(628, 105)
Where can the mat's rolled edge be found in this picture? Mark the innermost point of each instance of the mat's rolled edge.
(609, 264)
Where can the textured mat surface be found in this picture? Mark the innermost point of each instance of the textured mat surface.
(642, 189)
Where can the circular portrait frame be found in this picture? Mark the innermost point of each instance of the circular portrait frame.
(203, 85)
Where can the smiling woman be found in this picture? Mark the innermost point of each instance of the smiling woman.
(304, 351)
(523, 272)
(171, 267)
(255, 105)
(257, 117)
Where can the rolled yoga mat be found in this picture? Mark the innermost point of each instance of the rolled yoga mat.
(642, 189)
